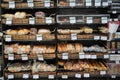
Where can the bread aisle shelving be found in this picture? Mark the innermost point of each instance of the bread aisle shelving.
(59, 39)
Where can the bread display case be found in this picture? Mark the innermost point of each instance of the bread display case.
(59, 40)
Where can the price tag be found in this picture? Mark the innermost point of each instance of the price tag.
(47, 3)
(86, 75)
(93, 56)
(0, 43)
(109, 51)
(104, 4)
(96, 37)
(78, 75)
(113, 76)
(11, 76)
(102, 72)
(112, 51)
(89, 19)
(48, 20)
(115, 19)
(106, 56)
(64, 76)
(31, 20)
(81, 56)
(117, 62)
(115, 57)
(24, 57)
(88, 56)
(104, 38)
(29, 0)
(1, 34)
(36, 76)
(40, 57)
(104, 20)
(73, 36)
(88, 2)
(72, 3)
(118, 51)
(109, 1)
(72, 20)
(114, 12)
(25, 76)
(64, 55)
(97, 2)
(50, 76)
(8, 38)
(39, 37)
(8, 21)
(10, 56)
(30, 4)
(12, 4)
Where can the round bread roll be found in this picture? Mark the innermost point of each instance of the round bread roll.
(11, 32)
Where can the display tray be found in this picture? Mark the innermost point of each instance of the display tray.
(33, 56)
(29, 21)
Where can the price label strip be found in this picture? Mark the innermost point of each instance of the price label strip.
(47, 3)
(72, 20)
(50, 76)
(8, 21)
(30, 4)
(64, 56)
(72, 3)
(40, 57)
(39, 37)
(36, 76)
(11, 76)
(97, 2)
(48, 20)
(88, 2)
(78, 75)
(104, 20)
(64, 76)
(73, 36)
(8, 38)
(25, 76)
(24, 57)
(12, 4)
(31, 20)
(89, 20)
(10, 56)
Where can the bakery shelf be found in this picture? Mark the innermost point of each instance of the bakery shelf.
(47, 37)
(24, 75)
(81, 3)
(87, 55)
(83, 19)
(33, 56)
(29, 21)
(82, 37)
(29, 5)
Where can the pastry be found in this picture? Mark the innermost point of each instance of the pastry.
(44, 31)
(40, 14)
